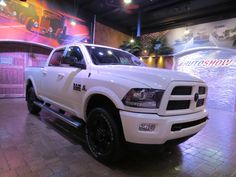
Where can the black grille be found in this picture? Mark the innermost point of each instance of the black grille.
(200, 102)
(182, 90)
(202, 90)
(180, 126)
(175, 105)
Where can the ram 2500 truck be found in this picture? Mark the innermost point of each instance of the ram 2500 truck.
(116, 98)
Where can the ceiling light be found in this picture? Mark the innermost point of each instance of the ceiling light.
(131, 41)
(186, 31)
(73, 23)
(109, 52)
(100, 53)
(127, 1)
(2, 3)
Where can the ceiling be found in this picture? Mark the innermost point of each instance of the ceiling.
(156, 15)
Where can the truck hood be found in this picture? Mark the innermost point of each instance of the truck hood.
(151, 77)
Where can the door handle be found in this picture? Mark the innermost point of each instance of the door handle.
(44, 71)
(60, 75)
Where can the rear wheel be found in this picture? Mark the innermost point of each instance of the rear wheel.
(104, 137)
(31, 97)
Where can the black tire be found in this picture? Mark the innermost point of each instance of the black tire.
(31, 97)
(104, 137)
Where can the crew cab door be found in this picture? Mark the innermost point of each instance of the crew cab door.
(50, 76)
(63, 83)
(72, 84)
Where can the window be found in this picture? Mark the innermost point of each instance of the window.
(108, 56)
(67, 57)
(75, 53)
(56, 58)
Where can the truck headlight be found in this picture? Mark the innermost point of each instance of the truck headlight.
(143, 98)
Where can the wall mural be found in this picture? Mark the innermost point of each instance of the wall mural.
(35, 21)
(218, 34)
(208, 52)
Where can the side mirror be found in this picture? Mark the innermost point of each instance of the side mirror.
(79, 65)
(73, 61)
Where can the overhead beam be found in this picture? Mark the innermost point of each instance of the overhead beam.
(161, 4)
(190, 21)
(85, 4)
(115, 10)
(193, 7)
(216, 10)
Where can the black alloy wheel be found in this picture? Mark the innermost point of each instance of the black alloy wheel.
(103, 136)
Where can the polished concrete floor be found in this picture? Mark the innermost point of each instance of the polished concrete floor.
(42, 146)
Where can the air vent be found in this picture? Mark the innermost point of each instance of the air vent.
(176, 105)
(202, 90)
(200, 102)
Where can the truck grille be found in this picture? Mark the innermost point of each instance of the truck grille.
(175, 105)
(200, 102)
(202, 90)
(180, 126)
(182, 90)
(183, 98)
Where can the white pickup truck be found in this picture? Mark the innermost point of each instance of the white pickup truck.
(117, 98)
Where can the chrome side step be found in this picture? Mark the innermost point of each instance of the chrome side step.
(69, 120)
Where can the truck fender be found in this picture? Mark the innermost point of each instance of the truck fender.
(101, 91)
(30, 78)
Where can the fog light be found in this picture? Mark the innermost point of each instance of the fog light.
(147, 127)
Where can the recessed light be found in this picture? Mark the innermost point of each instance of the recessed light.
(127, 1)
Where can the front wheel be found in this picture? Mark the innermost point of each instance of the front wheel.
(31, 97)
(103, 136)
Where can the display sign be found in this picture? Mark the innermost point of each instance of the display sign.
(217, 67)
(206, 63)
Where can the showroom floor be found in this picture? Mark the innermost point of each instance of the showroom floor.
(42, 146)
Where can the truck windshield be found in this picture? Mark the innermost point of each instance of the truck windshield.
(108, 56)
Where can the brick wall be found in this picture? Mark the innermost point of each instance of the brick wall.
(108, 36)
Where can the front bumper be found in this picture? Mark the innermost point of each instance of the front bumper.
(192, 123)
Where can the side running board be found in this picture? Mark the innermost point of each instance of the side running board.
(67, 119)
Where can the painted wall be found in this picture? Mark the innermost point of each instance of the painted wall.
(42, 22)
(105, 35)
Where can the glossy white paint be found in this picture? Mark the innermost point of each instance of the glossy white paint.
(55, 85)
(162, 132)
